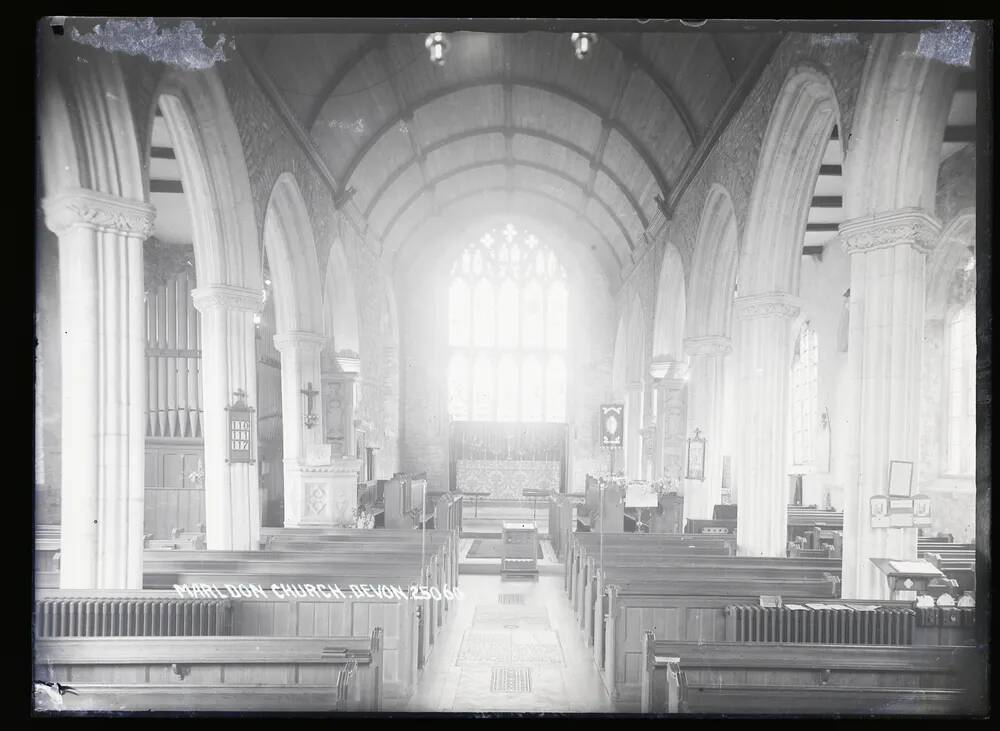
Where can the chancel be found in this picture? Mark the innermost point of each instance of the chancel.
(468, 366)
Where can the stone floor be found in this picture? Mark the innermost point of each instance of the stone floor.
(512, 646)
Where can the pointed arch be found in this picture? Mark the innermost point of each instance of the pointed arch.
(87, 125)
(671, 306)
(714, 268)
(291, 254)
(213, 169)
(340, 307)
(792, 151)
(618, 366)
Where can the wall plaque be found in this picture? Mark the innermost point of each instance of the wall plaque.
(879, 511)
(696, 457)
(241, 418)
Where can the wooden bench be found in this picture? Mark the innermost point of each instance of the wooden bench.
(215, 673)
(613, 619)
(580, 568)
(340, 539)
(959, 567)
(221, 568)
(581, 543)
(783, 678)
(562, 521)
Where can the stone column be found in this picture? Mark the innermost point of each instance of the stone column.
(763, 421)
(103, 386)
(670, 378)
(300, 371)
(888, 253)
(633, 427)
(705, 412)
(229, 364)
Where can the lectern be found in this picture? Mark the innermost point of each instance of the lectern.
(520, 550)
(907, 578)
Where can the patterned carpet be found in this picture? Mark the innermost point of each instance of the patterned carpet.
(491, 548)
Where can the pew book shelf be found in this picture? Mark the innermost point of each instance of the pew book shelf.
(520, 550)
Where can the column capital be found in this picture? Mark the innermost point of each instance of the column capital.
(906, 227)
(769, 304)
(100, 211)
(294, 339)
(228, 297)
(666, 370)
(715, 345)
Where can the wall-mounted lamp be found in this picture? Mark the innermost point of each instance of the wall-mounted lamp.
(310, 419)
(437, 44)
(583, 44)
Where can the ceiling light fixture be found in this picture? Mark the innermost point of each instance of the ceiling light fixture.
(583, 43)
(437, 44)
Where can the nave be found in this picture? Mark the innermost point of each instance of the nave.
(504, 366)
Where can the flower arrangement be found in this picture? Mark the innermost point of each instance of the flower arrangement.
(363, 519)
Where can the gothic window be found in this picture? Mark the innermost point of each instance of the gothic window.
(961, 450)
(805, 397)
(508, 318)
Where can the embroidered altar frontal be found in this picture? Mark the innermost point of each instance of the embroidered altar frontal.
(507, 479)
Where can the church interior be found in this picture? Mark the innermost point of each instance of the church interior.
(465, 367)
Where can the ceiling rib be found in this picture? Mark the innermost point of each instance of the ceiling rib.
(367, 46)
(521, 163)
(382, 56)
(499, 80)
(723, 55)
(524, 131)
(597, 156)
(546, 196)
(632, 54)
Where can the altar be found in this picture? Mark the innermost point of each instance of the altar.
(504, 459)
(506, 479)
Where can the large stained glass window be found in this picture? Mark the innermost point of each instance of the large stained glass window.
(508, 317)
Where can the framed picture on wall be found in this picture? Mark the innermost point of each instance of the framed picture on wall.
(696, 457)
(900, 478)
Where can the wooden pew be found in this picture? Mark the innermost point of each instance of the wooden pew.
(447, 511)
(215, 673)
(959, 566)
(402, 498)
(163, 570)
(664, 544)
(562, 521)
(784, 678)
(610, 619)
(286, 538)
(612, 513)
(406, 623)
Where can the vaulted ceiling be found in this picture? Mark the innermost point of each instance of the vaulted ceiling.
(610, 140)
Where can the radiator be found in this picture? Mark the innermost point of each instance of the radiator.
(880, 626)
(133, 617)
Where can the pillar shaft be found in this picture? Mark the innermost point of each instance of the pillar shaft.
(884, 360)
(103, 389)
(704, 411)
(762, 416)
(229, 364)
(633, 436)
